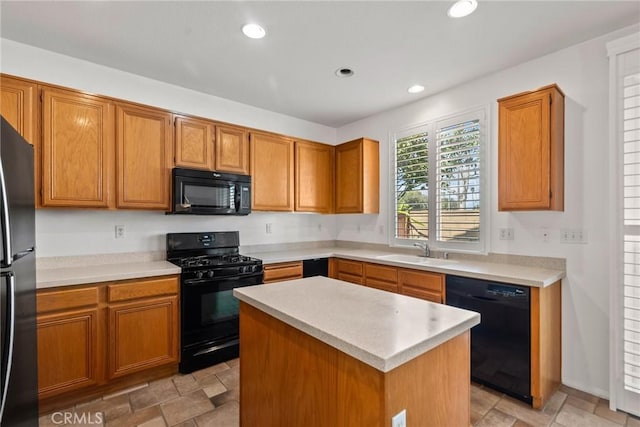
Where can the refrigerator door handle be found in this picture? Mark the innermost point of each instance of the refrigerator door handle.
(7, 255)
(11, 315)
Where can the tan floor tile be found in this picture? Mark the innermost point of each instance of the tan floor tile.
(186, 407)
(186, 384)
(112, 408)
(633, 421)
(475, 417)
(227, 415)
(136, 418)
(230, 378)
(214, 389)
(233, 362)
(154, 394)
(524, 412)
(156, 422)
(198, 375)
(570, 416)
(51, 420)
(554, 403)
(482, 401)
(496, 418)
(577, 393)
(580, 403)
(520, 423)
(188, 423)
(602, 410)
(227, 396)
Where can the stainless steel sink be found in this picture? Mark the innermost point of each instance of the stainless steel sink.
(415, 259)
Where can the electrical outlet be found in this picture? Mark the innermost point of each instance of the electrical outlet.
(119, 231)
(573, 235)
(268, 228)
(506, 234)
(399, 419)
(545, 235)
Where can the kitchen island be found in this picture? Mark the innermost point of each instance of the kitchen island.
(321, 352)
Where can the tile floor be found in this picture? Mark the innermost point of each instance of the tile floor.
(210, 398)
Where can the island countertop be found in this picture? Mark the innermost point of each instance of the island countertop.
(382, 329)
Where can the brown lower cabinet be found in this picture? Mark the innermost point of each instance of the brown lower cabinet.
(415, 283)
(282, 271)
(95, 338)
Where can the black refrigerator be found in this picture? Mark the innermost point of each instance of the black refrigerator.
(18, 352)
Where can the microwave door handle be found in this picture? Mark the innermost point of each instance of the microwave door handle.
(7, 358)
(237, 196)
(7, 255)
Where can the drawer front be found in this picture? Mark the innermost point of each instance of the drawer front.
(350, 267)
(381, 272)
(282, 271)
(352, 278)
(142, 289)
(420, 280)
(66, 299)
(423, 294)
(382, 285)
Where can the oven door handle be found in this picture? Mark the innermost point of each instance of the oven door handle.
(205, 281)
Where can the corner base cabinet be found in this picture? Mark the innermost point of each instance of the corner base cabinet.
(531, 151)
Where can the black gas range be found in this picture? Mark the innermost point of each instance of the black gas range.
(211, 268)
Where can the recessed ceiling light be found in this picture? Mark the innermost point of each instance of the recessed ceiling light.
(344, 72)
(253, 31)
(415, 89)
(462, 8)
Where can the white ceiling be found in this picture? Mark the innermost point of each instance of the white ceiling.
(390, 45)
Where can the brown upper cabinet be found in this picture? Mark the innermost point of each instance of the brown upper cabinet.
(232, 149)
(271, 172)
(194, 143)
(313, 177)
(18, 106)
(143, 144)
(357, 177)
(531, 150)
(77, 149)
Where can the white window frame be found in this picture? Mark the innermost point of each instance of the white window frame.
(619, 398)
(480, 113)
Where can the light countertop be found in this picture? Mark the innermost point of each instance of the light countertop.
(86, 274)
(510, 273)
(381, 329)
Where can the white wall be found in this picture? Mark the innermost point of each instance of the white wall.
(78, 232)
(582, 73)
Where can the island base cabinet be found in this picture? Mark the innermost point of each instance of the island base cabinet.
(338, 390)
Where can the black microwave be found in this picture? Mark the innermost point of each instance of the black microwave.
(199, 192)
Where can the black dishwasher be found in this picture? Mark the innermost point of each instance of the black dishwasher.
(315, 267)
(501, 343)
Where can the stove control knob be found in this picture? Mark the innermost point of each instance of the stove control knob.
(210, 273)
(199, 275)
(254, 268)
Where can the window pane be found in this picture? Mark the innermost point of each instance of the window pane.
(412, 187)
(458, 173)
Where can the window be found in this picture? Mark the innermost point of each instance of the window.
(438, 181)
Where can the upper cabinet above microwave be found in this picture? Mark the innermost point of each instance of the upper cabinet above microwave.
(531, 151)
(207, 145)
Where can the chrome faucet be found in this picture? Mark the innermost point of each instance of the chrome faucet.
(425, 246)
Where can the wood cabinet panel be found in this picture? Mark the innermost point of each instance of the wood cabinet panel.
(355, 268)
(282, 271)
(142, 335)
(77, 149)
(531, 151)
(67, 351)
(271, 172)
(142, 289)
(421, 284)
(18, 105)
(65, 299)
(313, 177)
(194, 143)
(143, 157)
(232, 149)
(381, 277)
(357, 188)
